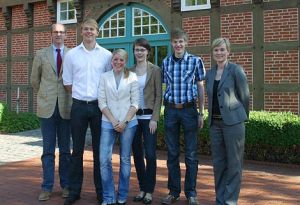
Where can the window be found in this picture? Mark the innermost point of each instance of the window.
(66, 12)
(145, 23)
(114, 26)
(189, 5)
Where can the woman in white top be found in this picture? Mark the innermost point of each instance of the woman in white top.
(144, 142)
(118, 99)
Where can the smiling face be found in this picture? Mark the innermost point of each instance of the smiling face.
(58, 35)
(118, 62)
(140, 53)
(220, 53)
(89, 33)
(179, 45)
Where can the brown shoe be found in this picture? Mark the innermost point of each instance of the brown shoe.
(44, 196)
(65, 192)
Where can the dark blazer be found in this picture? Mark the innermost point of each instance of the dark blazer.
(153, 90)
(233, 94)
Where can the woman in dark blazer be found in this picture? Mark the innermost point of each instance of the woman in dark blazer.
(144, 142)
(228, 106)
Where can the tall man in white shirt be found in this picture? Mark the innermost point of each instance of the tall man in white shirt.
(83, 66)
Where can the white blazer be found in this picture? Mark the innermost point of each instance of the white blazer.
(118, 101)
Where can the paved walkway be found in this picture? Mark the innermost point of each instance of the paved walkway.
(20, 177)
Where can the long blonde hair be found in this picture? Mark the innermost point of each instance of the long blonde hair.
(124, 55)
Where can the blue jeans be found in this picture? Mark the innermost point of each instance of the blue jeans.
(52, 128)
(144, 146)
(108, 138)
(82, 116)
(188, 119)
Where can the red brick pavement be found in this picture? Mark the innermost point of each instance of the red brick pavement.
(262, 184)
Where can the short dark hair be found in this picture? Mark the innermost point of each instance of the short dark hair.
(179, 33)
(142, 42)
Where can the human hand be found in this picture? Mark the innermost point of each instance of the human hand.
(152, 126)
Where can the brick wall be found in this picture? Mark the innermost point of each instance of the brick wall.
(281, 101)
(237, 27)
(19, 44)
(3, 46)
(20, 73)
(41, 40)
(234, 2)
(41, 14)
(71, 38)
(199, 33)
(245, 59)
(23, 102)
(281, 67)
(2, 21)
(281, 25)
(19, 19)
(3, 96)
(3, 73)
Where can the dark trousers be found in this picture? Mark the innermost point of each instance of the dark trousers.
(82, 116)
(144, 146)
(227, 146)
(188, 119)
(55, 128)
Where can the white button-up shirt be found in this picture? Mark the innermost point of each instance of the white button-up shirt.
(82, 69)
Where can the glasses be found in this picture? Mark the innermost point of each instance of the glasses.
(58, 32)
(142, 50)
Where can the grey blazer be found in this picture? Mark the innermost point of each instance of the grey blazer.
(233, 94)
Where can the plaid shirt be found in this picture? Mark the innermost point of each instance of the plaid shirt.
(181, 76)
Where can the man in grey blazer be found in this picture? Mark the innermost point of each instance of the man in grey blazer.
(53, 108)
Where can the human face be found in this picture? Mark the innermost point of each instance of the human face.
(89, 33)
(118, 63)
(220, 53)
(179, 45)
(58, 35)
(140, 54)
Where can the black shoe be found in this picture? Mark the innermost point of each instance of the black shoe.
(123, 203)
(71, 199)
(99, 199)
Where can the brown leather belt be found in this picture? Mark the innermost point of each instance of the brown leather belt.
(180, 106)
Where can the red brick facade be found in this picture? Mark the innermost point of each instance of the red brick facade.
(267, 48)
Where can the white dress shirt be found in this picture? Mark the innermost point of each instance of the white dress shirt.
(83, 68)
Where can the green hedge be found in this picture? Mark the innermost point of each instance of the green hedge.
(270, 136)
(11, 122)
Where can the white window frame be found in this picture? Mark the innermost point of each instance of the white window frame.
(184, 7)
(58, 14)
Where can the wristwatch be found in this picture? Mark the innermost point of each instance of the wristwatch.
(126, 122)
(201, 114)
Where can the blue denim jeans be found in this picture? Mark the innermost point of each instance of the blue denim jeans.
(144, 146)
(82, 116)
(108, 138)
(188, 119)
(52, 128)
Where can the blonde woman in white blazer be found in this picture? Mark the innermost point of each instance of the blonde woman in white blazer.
(118, 99)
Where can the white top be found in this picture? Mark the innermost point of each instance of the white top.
(82, 69)
(142, 83)
(118, 100)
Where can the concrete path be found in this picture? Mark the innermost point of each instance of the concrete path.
(20, 177)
